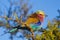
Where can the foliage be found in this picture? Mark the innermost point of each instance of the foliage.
(52, 32)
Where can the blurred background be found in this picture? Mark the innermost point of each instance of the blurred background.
(9, 7)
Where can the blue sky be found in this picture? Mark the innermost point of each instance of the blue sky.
(50, 8)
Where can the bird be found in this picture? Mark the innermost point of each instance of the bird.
(35, 20)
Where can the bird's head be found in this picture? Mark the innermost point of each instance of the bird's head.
(40, 15)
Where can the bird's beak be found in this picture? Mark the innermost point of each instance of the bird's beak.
(46, 15)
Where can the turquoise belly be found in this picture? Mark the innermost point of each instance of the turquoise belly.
(36, 26)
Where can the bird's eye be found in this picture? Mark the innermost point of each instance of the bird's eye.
(40, 14)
